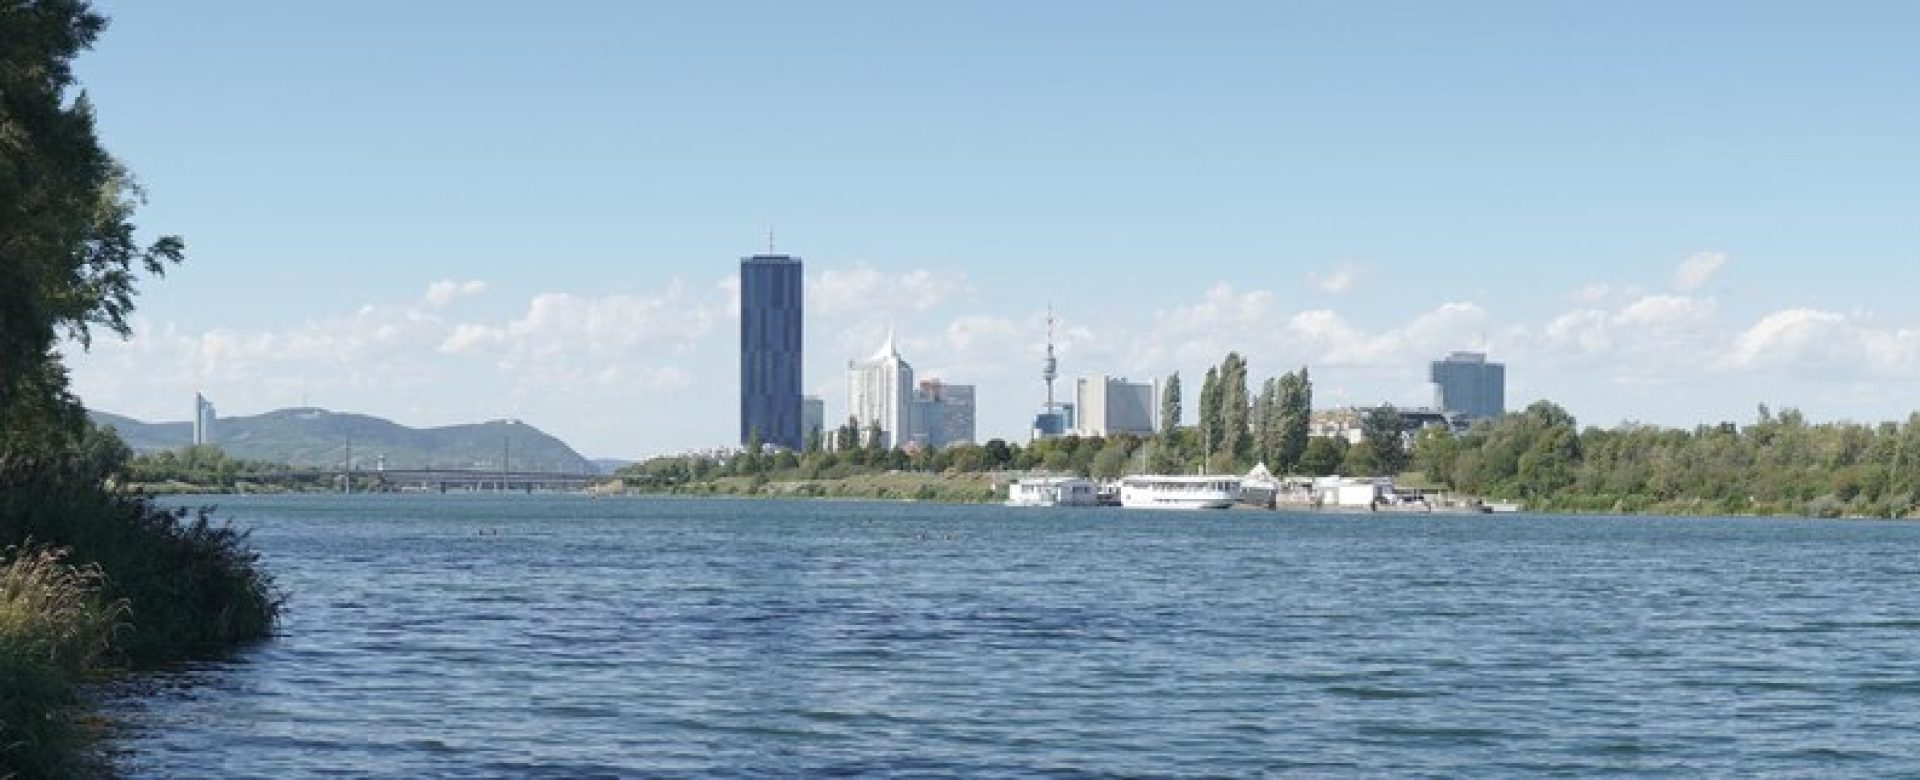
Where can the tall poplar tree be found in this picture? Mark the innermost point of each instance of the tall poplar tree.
(1212, 430)
(1294, 404)
(1234, 410)
(1170, 406)
(1266, 423)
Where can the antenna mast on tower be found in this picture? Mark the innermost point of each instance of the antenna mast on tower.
(1051, 371)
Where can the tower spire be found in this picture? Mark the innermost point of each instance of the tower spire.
(1051, 369)
(769, 239)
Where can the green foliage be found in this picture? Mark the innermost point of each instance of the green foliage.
(1170, 410)
(71, 259)
(1383, 449)
(1235, 414)
(1323, 456)
(205, 466)
(53, 610)
(1293, 403)
(192, 584)
(55, 627)
(68, 264)
(1780, 465)
(1213, 427)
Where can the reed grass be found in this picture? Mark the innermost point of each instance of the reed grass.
(56, 628)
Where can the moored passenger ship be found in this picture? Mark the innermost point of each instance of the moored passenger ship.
(1156, 491)
(1052, 491)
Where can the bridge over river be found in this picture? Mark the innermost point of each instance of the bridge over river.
(445, 479)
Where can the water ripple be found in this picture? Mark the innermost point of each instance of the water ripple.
(749, 639)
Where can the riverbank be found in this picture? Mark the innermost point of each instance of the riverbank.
(94, 583)
(953, 488)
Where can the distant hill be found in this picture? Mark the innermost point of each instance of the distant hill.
(317, 437)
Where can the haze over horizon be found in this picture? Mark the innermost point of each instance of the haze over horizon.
(441, 213)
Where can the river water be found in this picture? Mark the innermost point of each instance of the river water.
(556, 636)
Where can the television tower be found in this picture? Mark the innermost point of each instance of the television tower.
(1051, 371)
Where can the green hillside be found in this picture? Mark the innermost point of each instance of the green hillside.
(317, 437)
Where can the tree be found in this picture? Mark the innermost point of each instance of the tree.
(1212, 427)
(1170, 406)
(998, 454)
(1434, 453)
(1234, 411)
(1266, 422)
(68, 256)
(1295, 409)
(1383, 430)
(1323, 456)
(847, 437)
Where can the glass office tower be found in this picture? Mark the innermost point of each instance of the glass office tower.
(770, 330)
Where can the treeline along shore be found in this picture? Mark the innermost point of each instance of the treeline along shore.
(94, 580)
(1777, 465)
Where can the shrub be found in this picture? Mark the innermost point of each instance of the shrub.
(54, 627)
(191, 585)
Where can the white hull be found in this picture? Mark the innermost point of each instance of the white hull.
(1179, 492)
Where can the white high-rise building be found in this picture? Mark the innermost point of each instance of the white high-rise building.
(1107, 406)
(203, 418)
(880, 392)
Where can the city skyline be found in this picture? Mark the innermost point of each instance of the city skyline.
(1663, 217)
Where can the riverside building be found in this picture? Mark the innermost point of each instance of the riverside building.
(943, 414)
(1108, 406)
(1467, 385)
(770, 350)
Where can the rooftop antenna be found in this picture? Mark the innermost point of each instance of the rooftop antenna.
(769, 239)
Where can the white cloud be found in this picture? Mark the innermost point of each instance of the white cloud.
(1826, 346)
(865, 291)
(1341, 280)
(446, 291)
(1593, 293)
(654, 370)
(1694, 272)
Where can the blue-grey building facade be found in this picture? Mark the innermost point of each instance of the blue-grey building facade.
(770, 350)
(1467, 385)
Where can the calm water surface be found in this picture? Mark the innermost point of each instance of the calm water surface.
(566, 637)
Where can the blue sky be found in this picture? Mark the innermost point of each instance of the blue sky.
(447, 211)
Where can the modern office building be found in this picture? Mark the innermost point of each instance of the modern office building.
(813, 419)
(1467, 385)
(1109, 406)
(203, 418)
(943, 414)
(880, 392)
(770, 350)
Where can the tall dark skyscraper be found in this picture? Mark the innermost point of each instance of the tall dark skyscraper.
(1470, 386)
(770, 329)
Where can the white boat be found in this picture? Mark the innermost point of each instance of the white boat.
(1052, 491)
(1155, 491)
(1260, 487)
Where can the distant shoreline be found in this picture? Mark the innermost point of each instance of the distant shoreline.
(962, 489)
